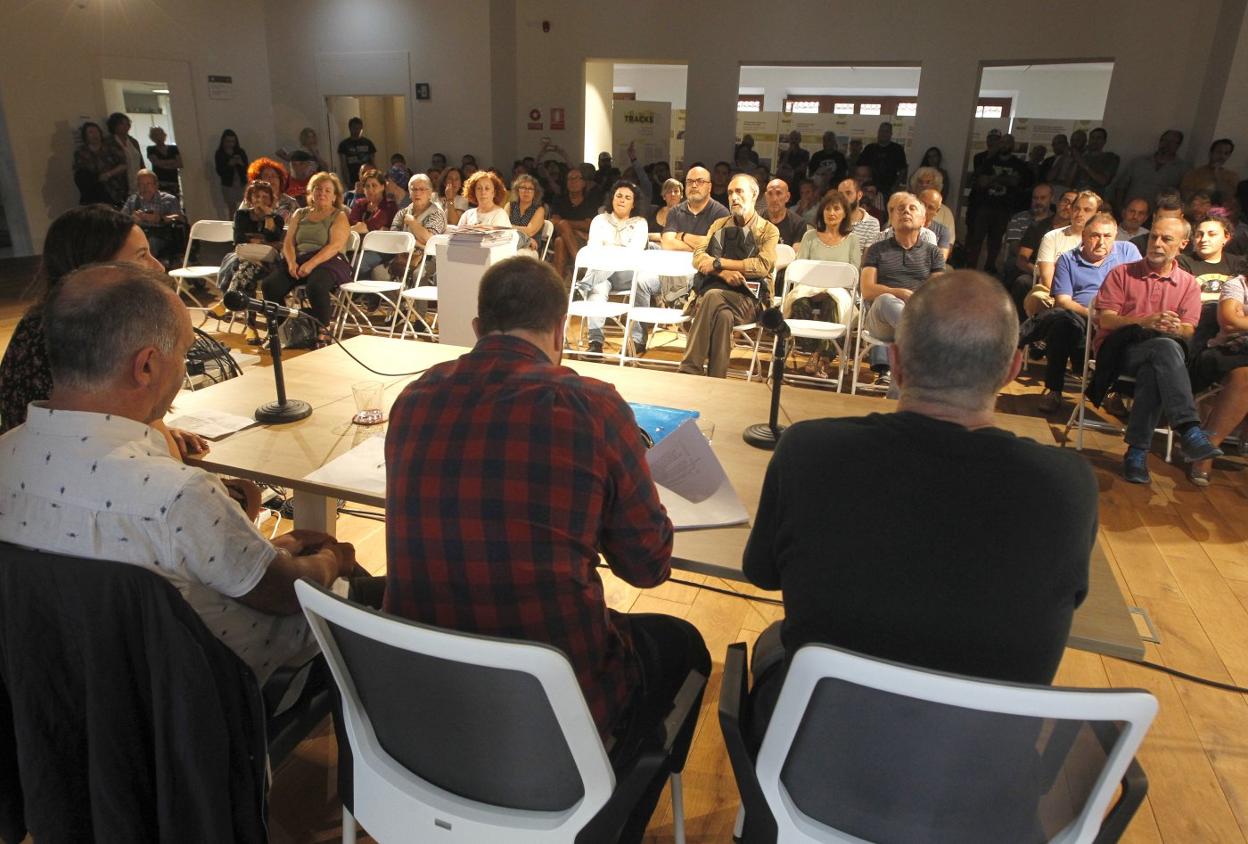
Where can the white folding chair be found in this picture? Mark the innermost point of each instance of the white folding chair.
(826, 276)
(658, 262)
(863, 342)
(609, 259)
(417, 295)
(861, 749)
(548, 236)
(785, 255)
(352, 250)
(202, 231)
(387, 243)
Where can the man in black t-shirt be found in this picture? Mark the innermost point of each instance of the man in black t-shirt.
(886, 159)
(828, 164)
(1004, 181)
(356, 151)
(956, 581)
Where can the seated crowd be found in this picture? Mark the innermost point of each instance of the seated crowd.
(94, 366)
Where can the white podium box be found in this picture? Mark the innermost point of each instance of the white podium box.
(459, 276)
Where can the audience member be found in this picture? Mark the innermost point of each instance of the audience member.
(355, 151)
(866, 226)
(606, 175)
(166, 161)
(230, 161)
(1041, 208)
(309, 143)
(808, 198)
(740, 249)
(746, 146)
(1095, 167)
(572, 213)
(271, 171)
(315, 240)
(892, 270)
(1198, 207)
(1149, 175)
(1225, 362)
(991, 141)
(790, 225)
(852, 153)
(688, 223)
(1134, 215)
(119, 135)
(302, 168)
(258, 233)
(1145, 311)
(1168, 205)
(450, 195)
(422, 217)
(1207, 261)
(487, 190)
(832, 239)
(933, 202)
(159, 214)
(935, 159)
(872, 202)
(886, 159)
(1036, 154)
(931, 178)
(396, 191)
(622, 227)
(117, 343)
(828, 165)
(673, 193)
(793, 155)
(1077, 278)
(99, 168)
(1054, 243)
(1213, 177)
(1003, 180)
(1060, 147)
(1028, 246)
(373, 211)
(928, 590)
(573, 484)
(720, 174)
(526, 212)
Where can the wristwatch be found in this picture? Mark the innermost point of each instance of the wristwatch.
(719, 265)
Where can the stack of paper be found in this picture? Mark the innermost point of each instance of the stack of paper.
(484, 236)
(692, 484)
(362, 468)
(208, 423)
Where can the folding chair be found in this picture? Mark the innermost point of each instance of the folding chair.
(609, 259)
(658, 262)
(462, 738)
(204, 231)
(827, 276)
(861, 749)
(548, 235)
(411, 298)
(863, 342)
(749, 335)
(385, 242)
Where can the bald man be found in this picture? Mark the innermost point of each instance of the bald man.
(951, 570)
(787, 221)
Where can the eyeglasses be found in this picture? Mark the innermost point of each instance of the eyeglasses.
(697, 181)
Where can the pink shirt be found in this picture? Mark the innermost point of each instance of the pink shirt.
(1132, 290)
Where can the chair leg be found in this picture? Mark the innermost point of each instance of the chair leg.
(348, 827)
(678, 809)
(738, 828)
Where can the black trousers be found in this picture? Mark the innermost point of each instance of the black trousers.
(320, 285)
(1064, 342)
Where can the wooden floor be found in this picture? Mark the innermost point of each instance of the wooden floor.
(1179, 552)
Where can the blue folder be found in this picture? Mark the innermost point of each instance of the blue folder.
(659, 421)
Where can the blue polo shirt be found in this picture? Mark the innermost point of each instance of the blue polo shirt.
(1080, 280)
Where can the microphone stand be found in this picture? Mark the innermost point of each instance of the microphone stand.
(765, 435)
(283, 410)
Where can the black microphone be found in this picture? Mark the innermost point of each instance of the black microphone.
(766, 435)
(237, 300)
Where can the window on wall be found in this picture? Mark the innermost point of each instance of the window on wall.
(907, 109)
(869, 108)
(989, 111)
(801, 106)
(843, 108)
(749, 104)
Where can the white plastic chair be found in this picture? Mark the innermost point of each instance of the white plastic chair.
(610, 259)
(460, 738)
(205, 231)
(658, 262)
(785, 255)
(863, 341)
(892, 752)
(826, 275)
(385, 242)
(548, 236)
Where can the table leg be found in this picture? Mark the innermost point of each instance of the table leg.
(316, 512)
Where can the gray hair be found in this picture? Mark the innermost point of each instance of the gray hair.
(927, 171)
(419, 177)
(101, 316)
(753, 182)
(958, 336)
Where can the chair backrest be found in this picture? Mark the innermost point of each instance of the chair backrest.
(785, 255)
(352, 249)
(467, 737)
(825, 274)
(667, 262)
(547, 237)
(391, 243)
(860, 748)
(212, 231)
(609, 258)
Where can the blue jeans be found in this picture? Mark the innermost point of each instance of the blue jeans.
(882, 320)
(596, 285)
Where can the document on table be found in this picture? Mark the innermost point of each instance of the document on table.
(692, 484)
(209, 423)
(362, 468)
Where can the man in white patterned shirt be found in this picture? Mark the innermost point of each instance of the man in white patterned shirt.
(89, 476)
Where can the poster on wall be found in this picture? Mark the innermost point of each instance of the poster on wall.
(677, 145)
(645, 125)
(763, 127)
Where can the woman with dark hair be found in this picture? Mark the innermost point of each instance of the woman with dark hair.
(450, 200)
(99, 168)
(371, 211)
(231, 163)
(119, 135)
(80, 236)
(833, 239)
(935, 158)
(620, 225)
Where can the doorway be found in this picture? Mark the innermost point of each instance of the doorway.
(149, 106)
(385, 124)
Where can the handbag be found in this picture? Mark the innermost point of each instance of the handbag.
(256, 253)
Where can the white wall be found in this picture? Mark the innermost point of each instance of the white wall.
(1067, 93)
(656, 83)
(54, 55)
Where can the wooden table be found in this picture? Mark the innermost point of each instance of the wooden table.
(284, 455)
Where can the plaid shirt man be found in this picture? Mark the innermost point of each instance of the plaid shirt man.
(506, 477)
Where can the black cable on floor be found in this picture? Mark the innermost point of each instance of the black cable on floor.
(357, 360)
(1204, 681)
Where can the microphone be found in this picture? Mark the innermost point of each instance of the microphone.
(237, 300)
(765, 435)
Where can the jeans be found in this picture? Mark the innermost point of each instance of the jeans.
(882, 320)
(1161, 383)
(597, 284)
(1064, 342)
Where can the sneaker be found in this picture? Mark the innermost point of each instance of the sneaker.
(1198, 478)
(883, 378)
(1196, 445)
(595, 347)
(1050, 402)
(1135, 466)
(639, 347)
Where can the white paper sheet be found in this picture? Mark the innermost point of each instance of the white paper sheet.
(692, 484)
(209, 423)
(362, 468)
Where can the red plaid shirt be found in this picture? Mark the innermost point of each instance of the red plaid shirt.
(506, 477)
